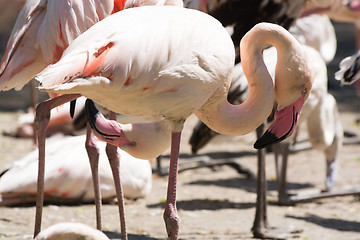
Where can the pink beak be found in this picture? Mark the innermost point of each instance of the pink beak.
(106, 130)
(284, 124)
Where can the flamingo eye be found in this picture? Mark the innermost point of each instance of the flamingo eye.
(304, 90)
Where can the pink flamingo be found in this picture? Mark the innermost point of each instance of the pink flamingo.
(68, 179)
(43, 30)
(156, 63)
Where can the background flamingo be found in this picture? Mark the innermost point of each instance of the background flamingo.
(70, 230)
(124, 85)
(68, 179)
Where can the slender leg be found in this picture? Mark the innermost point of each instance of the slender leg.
(34, 101)
(171, 217)
(93, 154)
(41, 121)
(276, 150)
(261, 228)
(282, 183)
(260, 221)
(114, 160)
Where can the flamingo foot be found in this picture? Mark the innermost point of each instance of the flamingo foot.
(172, 220)
(276, 233)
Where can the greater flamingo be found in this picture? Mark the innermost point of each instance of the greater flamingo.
(43, 29)
(241, 16)
(303, 30)
(70, 230)
(346, 11)
(156, 63)
(67, 177)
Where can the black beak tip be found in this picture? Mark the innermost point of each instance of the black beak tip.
(267, 139)
(91, 112)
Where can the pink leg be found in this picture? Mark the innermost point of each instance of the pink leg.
(93, 154)
(41, 121)
(171, 217)
(114, 160)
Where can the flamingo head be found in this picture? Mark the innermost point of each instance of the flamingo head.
(106, 130)
(284, 124)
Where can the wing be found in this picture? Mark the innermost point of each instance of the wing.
(43, 30)
(20, 55)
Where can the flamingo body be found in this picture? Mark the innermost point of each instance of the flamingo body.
(155, 74)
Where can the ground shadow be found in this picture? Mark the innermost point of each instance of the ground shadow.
(248, 185)
(206, 204)
(116, 235)
(331, 223)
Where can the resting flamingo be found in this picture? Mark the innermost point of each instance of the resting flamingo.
(43, 29)
(68, 179)
(177, 68)
(71, 230)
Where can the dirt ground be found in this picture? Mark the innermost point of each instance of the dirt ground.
(214, 203)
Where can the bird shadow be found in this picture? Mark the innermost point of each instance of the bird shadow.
(116, 235)
(213, 155)
(331, 223)
(248, 185)
(206, 204)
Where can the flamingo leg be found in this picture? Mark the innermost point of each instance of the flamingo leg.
(261, 228)
(34, 101)
(114, 160)
(93, 154)
(171, 217)
(283, 149)
(41, 121)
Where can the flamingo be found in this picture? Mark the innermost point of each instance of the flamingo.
(319, 113)
(68, 178)
(43, 29)
(241, 16)
(349, 69)
(71, 230)
(177, 68)
(345, 11)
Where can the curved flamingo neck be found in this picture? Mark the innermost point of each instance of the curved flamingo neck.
(225, 118)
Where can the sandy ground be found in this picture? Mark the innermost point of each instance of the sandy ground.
(213, 203)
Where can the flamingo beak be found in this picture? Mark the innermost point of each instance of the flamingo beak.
(284, 124)
(106, 130)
